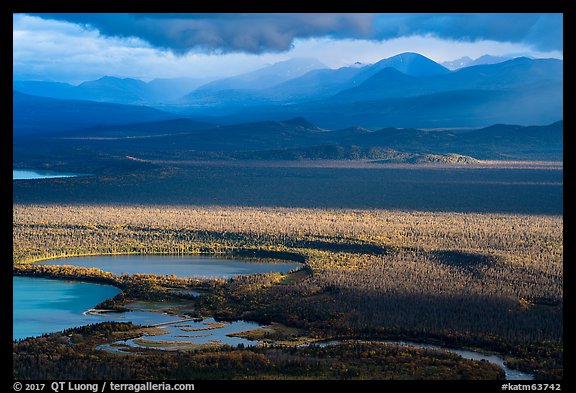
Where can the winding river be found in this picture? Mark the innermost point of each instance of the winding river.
(509, 373)
(472, 355)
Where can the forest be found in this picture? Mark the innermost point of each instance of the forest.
(488, 281)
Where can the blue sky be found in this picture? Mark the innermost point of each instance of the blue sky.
(78, 47)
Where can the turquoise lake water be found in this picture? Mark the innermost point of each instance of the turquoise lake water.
(46, 306)
(29, 174)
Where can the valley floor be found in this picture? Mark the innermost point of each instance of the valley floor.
(480, 280)
(486, 187)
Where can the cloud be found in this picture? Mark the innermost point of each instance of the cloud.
(223, 33)
(261, 33)
(537, 31)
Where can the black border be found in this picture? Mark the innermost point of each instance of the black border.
(552, 6)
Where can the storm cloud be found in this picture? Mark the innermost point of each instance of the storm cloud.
(537, 31)
(261, 33)
(223, 33)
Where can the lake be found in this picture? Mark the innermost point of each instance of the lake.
(188, 266)
(29, 174)
(43, 305)
(46, 305)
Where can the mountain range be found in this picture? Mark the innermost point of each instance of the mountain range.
(420, 93)
(466, 61)
(113, 90)
(405, 91)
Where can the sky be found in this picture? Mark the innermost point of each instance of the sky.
(74, 48)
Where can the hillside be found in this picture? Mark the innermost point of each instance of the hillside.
(337, 152)
(39, 114)
(299, 139)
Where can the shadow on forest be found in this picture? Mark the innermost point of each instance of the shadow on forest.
(461, 259)
(284, 255)
(362, 248)
(468, 262)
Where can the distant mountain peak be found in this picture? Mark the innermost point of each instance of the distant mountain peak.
(413, 64)
(301, 122)
(408, 55)
(466, 61)
(463, 61)
(521, 59)
(112, 81)
(489, 59)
